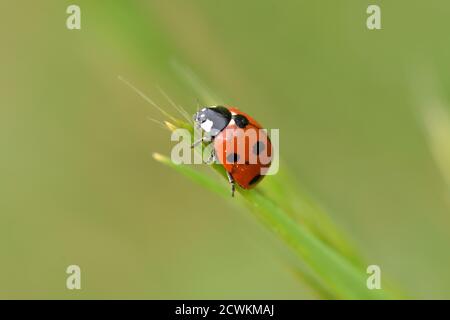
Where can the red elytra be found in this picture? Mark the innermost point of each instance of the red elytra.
(244, 151)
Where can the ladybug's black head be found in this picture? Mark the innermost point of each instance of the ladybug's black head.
(212, 120)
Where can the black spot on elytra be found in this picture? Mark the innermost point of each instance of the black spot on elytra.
(258, 147)
(255, 179)
(240, 121)
(232, 158)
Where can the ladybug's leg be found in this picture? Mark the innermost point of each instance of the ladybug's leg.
(231, 181)
(203, 139)
(212, 157)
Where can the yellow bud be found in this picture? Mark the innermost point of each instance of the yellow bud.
(171, 126)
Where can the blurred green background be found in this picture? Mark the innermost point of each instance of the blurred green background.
(78, 184)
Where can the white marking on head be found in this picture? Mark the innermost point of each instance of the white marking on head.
(207, 125)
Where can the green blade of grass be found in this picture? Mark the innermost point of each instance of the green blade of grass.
(340, 276)
(300, 206)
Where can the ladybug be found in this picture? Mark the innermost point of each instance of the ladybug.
(240, 144)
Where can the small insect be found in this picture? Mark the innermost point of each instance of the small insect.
(239, 144)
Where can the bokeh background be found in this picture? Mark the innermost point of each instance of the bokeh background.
(363, 118)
